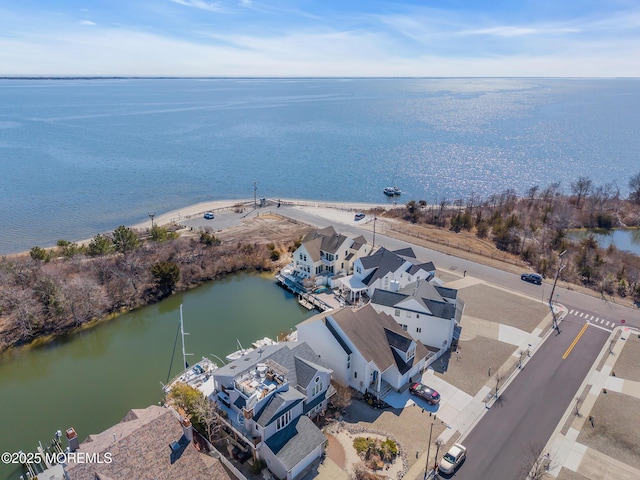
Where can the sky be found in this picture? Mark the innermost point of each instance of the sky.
(321, 38)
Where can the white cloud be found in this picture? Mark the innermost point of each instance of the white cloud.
(87, 22)
(202, 5)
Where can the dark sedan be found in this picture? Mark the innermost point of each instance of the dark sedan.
(422, 391)
(531, 278)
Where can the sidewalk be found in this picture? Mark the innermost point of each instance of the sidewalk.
(567, 453)
(462, 412)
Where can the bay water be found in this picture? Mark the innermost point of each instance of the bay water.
(91, 379)
(79, 157)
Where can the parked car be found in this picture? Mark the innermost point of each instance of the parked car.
(531, 278)
(208, 216)
(422, 391)
(359, 216)
(452, 459)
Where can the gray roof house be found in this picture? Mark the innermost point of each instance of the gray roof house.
(386, 269)
(426, 310)
(366, 350)
(270, 397)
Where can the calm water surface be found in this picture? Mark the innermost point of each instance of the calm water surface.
(90, 380)
(626, 240)
(80, 157)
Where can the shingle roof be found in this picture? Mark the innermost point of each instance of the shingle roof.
(141, 451)
(283, 353)
(425, 293)
(277, 405)
(368, 329)
(384, 261)
(296, 441)
(327, 240)
(405, 252)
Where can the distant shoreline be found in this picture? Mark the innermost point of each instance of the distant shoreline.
(198, 209)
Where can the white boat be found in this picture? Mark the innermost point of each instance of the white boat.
(263, 342)
(238, 353)
(389, 191)
(195, 376)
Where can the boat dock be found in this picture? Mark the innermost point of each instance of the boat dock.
(307, 299)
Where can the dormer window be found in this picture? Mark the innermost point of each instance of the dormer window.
(283, 421)
(411, 353)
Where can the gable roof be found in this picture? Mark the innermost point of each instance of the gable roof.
(383, 262)
(141, 451)
(326, 240)
(428, 295)
(277, 405)
(373, 335)
(296, 441)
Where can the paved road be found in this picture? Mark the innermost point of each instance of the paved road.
(526, 414)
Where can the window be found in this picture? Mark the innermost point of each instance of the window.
(283, 421)
(358, 269)
(404, 327)
(419, 330)
(355, 374)
(411, 353)
(317, 388)
(397, 312)
(408, 314)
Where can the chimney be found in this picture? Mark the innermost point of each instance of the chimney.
(72, 439)
(187, 429)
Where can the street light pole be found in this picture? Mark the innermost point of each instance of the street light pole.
(151, 215)
(555, 280)
(255, 188)
(427, 466)
(374, 232)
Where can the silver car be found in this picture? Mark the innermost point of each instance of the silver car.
(452, 459)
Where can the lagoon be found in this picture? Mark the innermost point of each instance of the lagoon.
(91, 379)
(627, 240)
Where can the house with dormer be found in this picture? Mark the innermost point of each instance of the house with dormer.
(426, 310)
(365, 349)
(325, 253)
(387, 270)
(270, 397)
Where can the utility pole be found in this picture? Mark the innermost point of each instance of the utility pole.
(255, 189)
(374, 233)
(427, 466)
(553, 313)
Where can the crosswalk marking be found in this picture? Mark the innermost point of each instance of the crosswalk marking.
(592, 318)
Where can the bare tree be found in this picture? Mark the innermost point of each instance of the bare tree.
(634, 188)
(534, 464)
(581, 188)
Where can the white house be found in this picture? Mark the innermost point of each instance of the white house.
(426, 310)
(325, 253)
(365, 349)
(270, 396)
(385, 269)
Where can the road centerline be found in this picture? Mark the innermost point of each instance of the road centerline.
(575, 341)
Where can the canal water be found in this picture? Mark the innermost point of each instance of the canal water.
(625, 240)
(91, 379)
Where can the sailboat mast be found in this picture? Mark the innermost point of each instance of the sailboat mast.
(184, 353)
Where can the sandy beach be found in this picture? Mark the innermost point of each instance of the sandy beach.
(199, 209)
